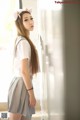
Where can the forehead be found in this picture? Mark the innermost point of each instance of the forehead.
(26, 15)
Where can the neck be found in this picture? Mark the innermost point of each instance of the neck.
(28, 33)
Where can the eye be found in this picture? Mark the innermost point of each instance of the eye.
(26, 20)
(31, 18)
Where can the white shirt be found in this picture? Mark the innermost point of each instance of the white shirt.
(23, 51)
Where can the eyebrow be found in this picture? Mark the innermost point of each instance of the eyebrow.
(28, 17)
(25, 17)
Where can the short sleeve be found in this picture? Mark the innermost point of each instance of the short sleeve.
(23, 49)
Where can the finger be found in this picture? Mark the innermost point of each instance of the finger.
(32, 105)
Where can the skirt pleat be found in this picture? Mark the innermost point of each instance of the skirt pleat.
(18, 98)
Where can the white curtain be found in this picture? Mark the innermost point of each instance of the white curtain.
(50, 28)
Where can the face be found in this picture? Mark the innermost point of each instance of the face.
(28, 21)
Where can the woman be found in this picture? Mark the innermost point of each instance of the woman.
(21, 98)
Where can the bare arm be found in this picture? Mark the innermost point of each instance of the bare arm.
(27, 81)
(25, 73)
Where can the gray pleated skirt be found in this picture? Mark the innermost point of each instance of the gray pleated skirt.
(18, 98)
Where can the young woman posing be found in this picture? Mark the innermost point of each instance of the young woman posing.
(21, 98)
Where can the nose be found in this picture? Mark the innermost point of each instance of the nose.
(31, 22)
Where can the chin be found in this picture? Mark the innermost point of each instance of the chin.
(31, 29)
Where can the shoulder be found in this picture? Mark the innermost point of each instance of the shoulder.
(22, 41)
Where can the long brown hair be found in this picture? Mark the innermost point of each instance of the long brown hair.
(22, 32)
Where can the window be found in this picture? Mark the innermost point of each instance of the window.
(6, 35)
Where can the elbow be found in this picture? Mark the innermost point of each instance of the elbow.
(23, 72)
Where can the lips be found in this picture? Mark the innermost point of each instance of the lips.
(32, 26)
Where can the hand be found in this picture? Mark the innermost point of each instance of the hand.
(32, 100)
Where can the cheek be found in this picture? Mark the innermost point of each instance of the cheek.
(25, 24)
(33, 22)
